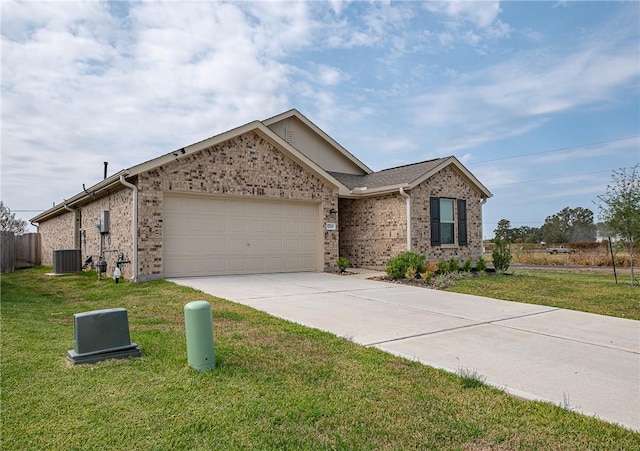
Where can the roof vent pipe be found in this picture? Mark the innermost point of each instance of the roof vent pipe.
(106, 163)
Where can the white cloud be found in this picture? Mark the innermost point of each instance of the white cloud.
(481, 14)
(329, 76)
(104, 87)
(515, 96)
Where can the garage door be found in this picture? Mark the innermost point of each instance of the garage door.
(205, 236)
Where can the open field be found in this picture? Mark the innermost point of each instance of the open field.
(534, 254)
(277, 385)
(593, 293)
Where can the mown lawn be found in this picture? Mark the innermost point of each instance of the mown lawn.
(277, 385)
(593, 293)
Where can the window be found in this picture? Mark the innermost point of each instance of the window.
(443, 219)
(446, 221)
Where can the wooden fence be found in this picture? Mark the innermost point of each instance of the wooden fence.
(17, 252)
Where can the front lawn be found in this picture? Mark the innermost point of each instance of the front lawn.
(277, 385)
(593, 293)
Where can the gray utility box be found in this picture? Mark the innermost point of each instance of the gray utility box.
(104, 222)
(101, 334)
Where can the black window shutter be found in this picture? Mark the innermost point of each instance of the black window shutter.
(434, 210)
(462, 222)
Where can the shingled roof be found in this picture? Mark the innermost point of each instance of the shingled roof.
(401, 175)
(407, 176)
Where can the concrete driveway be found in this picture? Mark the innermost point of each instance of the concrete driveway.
(590, 363)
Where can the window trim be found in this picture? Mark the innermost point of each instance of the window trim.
(460, 232)
(450, 222)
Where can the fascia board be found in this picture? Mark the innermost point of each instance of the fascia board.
(192, 148)
(80, 198)
(460, 167)
(255, 126)
(332, 142)
(143, 167)
(390, 189)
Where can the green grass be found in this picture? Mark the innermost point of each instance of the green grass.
(277, 385)
(593, 293)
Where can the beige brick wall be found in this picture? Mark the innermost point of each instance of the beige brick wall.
(119, 239)
(61, 232)
(447, 183)
(246, 166)
(373, 230)
(56, 234)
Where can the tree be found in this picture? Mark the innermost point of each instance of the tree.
(502, 250)
(552, 231)
(9, 222)
(528, 234)
(569, 225)
(620, 207)
(503, 229)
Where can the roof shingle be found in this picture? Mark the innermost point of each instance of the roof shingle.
(388, 177)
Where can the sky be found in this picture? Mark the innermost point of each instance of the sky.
(539, 100)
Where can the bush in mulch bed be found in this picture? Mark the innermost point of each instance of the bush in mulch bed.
(410, 268)
(439, 281)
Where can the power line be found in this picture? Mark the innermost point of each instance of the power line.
(555, 150)
(550, 178)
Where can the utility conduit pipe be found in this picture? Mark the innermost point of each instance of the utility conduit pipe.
(134, 258)
(406, 196)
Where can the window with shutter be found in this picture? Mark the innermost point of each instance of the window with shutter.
(462, 222)
(434, 211)
(444, 213)
(446, 221)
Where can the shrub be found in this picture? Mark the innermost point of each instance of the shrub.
(426, 276)
(410, 274)
(454, 266)
(397, 267)
(443, 267)
(442, 281)
(481, 264)
(342, 263)
(431, 267)
(501, 254)
(466, 266)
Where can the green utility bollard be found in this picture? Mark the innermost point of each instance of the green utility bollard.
(199, 329)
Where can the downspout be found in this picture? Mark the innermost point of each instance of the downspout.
(75, 225)
(406, 196)
(134, 231)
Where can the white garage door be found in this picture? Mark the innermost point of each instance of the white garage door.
(205, 236)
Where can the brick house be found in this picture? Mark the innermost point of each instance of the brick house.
(278, 195)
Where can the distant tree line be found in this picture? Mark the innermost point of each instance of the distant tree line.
(569, 225)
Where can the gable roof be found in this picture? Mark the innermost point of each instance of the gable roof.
(318, 131)
(114, 182)
(348, 185)
(407, 176)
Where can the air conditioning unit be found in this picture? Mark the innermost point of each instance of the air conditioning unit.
(66, 261)
(101, 334)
